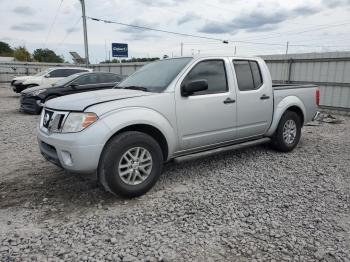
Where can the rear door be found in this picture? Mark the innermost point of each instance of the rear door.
(88, 82)
(207, 117)
(254, 98)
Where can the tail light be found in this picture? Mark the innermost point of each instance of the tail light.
(317, 94)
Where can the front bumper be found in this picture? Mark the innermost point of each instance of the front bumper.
(30, 104)
(76, 152)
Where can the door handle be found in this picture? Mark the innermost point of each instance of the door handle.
(264, 97)
(229, 101)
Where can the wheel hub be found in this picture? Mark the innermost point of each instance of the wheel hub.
(289, 131)
(135, 165)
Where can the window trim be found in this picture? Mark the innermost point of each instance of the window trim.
(251, 71)
(206, 60)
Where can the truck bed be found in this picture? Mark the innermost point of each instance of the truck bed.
(306, 93)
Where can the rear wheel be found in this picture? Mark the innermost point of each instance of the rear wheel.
(130, 164)
(288, 132)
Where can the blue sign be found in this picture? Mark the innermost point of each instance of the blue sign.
(119, 50)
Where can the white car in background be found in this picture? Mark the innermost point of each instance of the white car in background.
(47, 77)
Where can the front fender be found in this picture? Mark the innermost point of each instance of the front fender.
(124, 117)
(282, 107)
(31, 82)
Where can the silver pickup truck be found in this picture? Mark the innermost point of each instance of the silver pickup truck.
(168, 109)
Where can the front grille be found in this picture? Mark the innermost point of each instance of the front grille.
(52, 121)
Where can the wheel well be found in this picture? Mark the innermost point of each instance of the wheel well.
(151, 131)
(298, 111)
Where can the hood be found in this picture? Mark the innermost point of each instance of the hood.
(32, 79)
(35, 88)
(79, 102)
(22, 78)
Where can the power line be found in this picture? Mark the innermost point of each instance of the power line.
(199, 36)
(69, 32)
(153, 29)
(177, 33)
(320, 27)
(53, 22)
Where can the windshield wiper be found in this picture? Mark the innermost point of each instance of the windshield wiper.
(142, 88)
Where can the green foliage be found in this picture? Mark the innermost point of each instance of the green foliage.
(46, 55)
(132, 60)
(21, 54)
(5, 49)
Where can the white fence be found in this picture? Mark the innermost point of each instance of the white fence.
(331, 71)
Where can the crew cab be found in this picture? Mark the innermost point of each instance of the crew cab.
(168, 109)
(47, 77)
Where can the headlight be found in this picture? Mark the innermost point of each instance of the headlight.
(37, 92)
(76, 122)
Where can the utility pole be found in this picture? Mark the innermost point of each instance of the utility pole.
(235, 49)
(85, 33)
(105, 50)
(287, 48)
(182, 47)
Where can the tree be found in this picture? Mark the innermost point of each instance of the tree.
(21, 54)
(46, 55)
(5, 49)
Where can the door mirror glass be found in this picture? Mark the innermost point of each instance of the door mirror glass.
(194, 86)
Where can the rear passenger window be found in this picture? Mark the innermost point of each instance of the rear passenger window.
(65, 72)
(109, 78)
(56, 73)
(248, 75)
(214, 72)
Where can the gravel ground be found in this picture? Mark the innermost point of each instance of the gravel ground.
(246, 205)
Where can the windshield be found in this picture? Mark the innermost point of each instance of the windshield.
(42, 72)
(156, 76)
(67, 79)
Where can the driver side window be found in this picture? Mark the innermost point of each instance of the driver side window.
(211, 70)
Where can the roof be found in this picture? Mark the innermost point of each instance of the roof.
(213, 56)
(69, 67)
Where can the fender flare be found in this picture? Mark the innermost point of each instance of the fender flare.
(125, 117)
(283, 106)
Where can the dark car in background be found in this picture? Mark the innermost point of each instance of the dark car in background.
(47, 77)
(32, 99)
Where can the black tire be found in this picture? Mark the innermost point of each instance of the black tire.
(108, 171)
(278, 141)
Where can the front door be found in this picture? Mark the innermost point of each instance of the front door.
(206, 117)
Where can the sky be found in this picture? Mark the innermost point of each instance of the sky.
(251, 27)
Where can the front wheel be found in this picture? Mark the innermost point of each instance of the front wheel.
(130, 164)
(288, 132)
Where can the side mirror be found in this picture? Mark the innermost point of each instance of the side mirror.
(73, 85)
(194, 86)
(47, 75)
